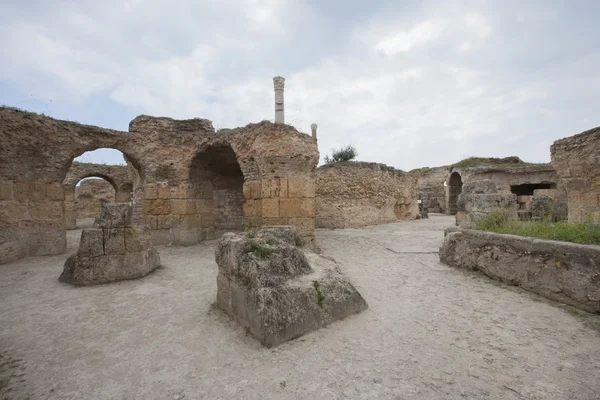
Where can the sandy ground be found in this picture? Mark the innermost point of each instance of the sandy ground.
(431, 332)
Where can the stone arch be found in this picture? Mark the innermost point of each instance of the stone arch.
(216, 181)
(455, 184)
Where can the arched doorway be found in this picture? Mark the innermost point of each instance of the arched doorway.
(454, 189)
(216, 179)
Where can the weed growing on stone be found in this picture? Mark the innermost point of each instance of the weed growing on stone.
(320, 296)
(259, 250)
(247, 330)
(283, 384)
(499, 221)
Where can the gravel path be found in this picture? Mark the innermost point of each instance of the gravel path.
(431, 332)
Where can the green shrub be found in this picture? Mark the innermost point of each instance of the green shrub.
(499, 221)
(344, 154)
(258, 249)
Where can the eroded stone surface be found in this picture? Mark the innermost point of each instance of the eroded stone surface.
(566, 272)
(113, 250)
(271, 287)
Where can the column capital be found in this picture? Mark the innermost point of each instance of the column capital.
(279, 82)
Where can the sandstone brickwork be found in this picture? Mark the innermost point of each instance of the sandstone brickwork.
(358, 194)
(577, 162)
(113, 250)
(177, 164)
(90, 195)
(562, 271)
(276, 291)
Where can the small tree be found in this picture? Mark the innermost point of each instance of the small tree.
(346, 153)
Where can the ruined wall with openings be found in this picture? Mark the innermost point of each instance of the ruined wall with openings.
(171, 195)
(576, 160)
(432, 191)
(90, 195)
(355, 194)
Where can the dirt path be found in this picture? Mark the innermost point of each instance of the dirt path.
(431, 332)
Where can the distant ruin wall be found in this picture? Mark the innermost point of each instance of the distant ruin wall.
(432, 191)
(576, 159)
(360, 194)
(90, 195)
(562, 271)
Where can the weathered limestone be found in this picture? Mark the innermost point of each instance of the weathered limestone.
(313, 129)
(182, 192)
(577, 163)
(355, 194)
(479, 198)
(113, 250)
(566, 272)
(279, 83)
(277, 292)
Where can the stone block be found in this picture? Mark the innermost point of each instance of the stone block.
(524, 199)
(167, 221)
(163, 192)
(204, 205)
(270, 208)
(26, 190)
(115, 215)
(253, 222)
(52, 224)
(157, 207)
(151, 221)
(136, 239)
(253, 208)
(305, 226)
(192, 221)
(276, 221)
(91, 243)
(282, 296)
(151, 191)
(183, 206)
(70, 206)
(272, 188)
(207, 219)
(6, 190)
(12, 211)
(299, 187)
(291, 207)
(252, 190)
(307, 207)
(185, 237)
(46, 209)
(55, 191)
(181, 191)
(114, 241)
(29, 226)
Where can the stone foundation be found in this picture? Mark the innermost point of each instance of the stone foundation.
(275, 291)
(561, 271)
(113, 250)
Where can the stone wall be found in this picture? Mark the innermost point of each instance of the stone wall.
(576, 159)
(566, 272)
(171, 195)
(478, 199)
(90, 195)
(358, 194)
(432, 191)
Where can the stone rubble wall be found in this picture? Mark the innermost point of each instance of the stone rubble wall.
(432, 191)
(561, 271)
(90, 195)
(360, 194)
(576, 159)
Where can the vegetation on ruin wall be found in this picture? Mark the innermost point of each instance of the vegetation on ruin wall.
(346, 153)
(500, 221)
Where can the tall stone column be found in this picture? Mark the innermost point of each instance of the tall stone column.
(313, 128)
(278, 83)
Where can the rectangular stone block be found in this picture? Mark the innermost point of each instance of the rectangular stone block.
(164, 192)
(29, 226)
(150, 191)
(70, 206)
(167, 221)
(305, 226)
(208, 220)
(204, 205)
(52, 224)
(272, 188)
(157, 207)
(307, 207)
(151, 221)
(290, 207)
(275, 221)
(253, 208)
(185, 237)
(136, 239)
(270, 208)
(114, 241)
(253, 222)
(252, 190)
(12, 211)
(181, 191)
(6, 190)
(46, 209)
(91, 243)
(298, 187)
(55, 191)
(524, 199)
(183, 206)
(190, 221)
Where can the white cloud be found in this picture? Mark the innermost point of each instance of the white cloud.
(420, 34)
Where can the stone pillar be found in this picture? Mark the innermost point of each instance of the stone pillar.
(313, 128)
(278, 83)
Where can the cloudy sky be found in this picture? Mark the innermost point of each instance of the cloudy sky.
(408, 83)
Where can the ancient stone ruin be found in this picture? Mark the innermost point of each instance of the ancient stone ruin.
(576, 160)
(354, 194)
(113, 250)
(277, 292)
